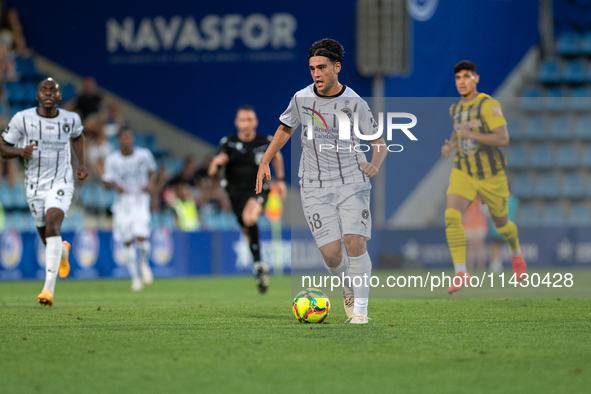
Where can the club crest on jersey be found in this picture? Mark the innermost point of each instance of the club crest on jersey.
(60, 192)
(348, 112)
(66, 128)
(365, 214)
(473, 112)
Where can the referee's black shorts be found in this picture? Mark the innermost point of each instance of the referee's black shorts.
(239, 198)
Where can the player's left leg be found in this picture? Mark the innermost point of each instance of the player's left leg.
(494, 192)
(143, 246)
(250, 215)
(355, 217)
(53, 253)
(141, 231)
(360, 271)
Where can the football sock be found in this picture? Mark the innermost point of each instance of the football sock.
(130, 255)
(53, 255)
(64, 251)
(509, 233)
(144, 250)
(342, 271)
(456, 238)
(253, 233)
(360, 269)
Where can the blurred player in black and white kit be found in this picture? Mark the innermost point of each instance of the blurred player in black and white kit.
(241, 154)
(131, 171)
(335, 187)
(41, 136)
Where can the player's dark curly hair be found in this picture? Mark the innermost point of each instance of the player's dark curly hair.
(465, 65)
(329, 48)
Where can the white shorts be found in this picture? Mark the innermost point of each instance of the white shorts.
(334, 211)
(131, 217)
(59, 196)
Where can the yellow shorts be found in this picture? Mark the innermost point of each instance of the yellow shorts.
(493, 191)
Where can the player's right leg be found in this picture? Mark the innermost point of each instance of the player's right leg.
(53, 253)
(460, 193)
(123, 232)
(249, 218)
(495, 194)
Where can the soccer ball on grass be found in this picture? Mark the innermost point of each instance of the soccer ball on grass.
(311, 306)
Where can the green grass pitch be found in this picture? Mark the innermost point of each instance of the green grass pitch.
(218, 335)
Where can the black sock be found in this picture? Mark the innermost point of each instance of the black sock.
(253, 233)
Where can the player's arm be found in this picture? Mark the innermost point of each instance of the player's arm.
(151, 185)
(449, 145)
(8, 151)
(108, 179)
(280, 138)
(220, 160)
(78, 146)
(279, 167)
(498, 137)
(380, 150)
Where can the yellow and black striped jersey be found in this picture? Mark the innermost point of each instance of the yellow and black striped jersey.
(482, 114)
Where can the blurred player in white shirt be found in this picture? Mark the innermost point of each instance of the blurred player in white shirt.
(335, 188)
(41, 136)
(132, 172)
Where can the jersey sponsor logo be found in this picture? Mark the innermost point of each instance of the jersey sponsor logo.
(497, 111)
(11, 249)
(86, 248)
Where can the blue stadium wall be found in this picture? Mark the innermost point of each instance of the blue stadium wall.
(136, 51)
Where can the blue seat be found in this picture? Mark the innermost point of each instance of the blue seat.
(575, 71)
(528, 214)
(542, 156)
(562, 128)
(586, 43)
(583, 128)
(557, 99)
(586, 157)
(19, 196)
(30, 91)
(68, 92)
(569, 44)
(25, 67)
(6, 196)
(548, 186)
(579, 215)
(516, 132)
(574, 185)
(517, 156)
(549, 72)
(537, 128)
(531, 100)
(522, 185)
(140, 140)
(554, 214)
(15, 92)
(567, 155)
(581, 99)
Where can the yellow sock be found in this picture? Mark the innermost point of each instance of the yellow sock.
(509, 233)
(456, 238)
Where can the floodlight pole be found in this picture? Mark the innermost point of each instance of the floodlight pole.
(379, 181)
